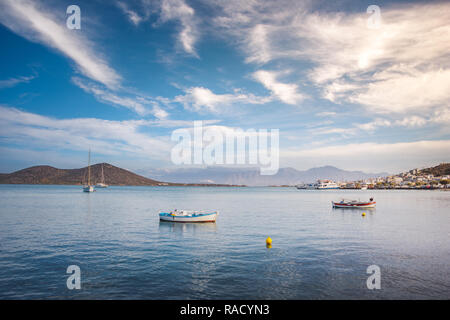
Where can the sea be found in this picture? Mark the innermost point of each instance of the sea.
(121, 250)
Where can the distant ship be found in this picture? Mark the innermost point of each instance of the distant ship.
(320, 185)
(327, 184)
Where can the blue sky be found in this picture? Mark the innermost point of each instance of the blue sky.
(341, 91)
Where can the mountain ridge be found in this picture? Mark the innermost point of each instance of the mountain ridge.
(251, 176)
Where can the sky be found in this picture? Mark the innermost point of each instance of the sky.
(344, 86)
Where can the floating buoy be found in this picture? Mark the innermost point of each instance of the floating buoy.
(363, 214)
(269, 242)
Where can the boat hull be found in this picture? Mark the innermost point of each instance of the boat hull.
(88, 189)
(207, 217)
(327, 188)
(354, 205)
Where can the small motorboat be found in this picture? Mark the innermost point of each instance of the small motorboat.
(344, 203)
(188, 216)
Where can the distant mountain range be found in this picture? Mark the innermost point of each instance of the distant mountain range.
(252, 177)
(211, 176)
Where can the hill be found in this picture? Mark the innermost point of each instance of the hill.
(50, 175)
(441, 170)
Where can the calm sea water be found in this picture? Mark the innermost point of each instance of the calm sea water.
(125, 252)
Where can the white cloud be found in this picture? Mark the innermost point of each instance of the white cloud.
(371, 126)
(259, 47)
(180, 11)
(326, 114)
(140, 105)
(287, 93)
(159, 113)
(111, 98)
(203, 99)
(328, 130)
(401, 67)
(105, 136)
(11, 82)
(133, 16)
(38, 24)
(402, 93)
(413, 121)
(371, 157)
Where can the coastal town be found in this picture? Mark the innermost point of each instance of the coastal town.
(428, 178)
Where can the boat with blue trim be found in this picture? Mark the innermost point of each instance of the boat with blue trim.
(188, 216)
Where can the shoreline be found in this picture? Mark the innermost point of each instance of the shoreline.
(222, 185)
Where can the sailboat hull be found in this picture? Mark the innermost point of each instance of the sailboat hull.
(101, 185)
(88, 189)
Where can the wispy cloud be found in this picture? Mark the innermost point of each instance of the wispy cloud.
(141, 105)
(287, 93)
(393, 157)
(36, 23)
(106, 136)
(413, 121)
(401, 67)
(109, 97)
(326, 114)
(132, 15)
(202, 99)
(11, 82)
(179, 10)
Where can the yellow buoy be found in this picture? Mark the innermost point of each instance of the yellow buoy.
(363, 214)
(269, 241)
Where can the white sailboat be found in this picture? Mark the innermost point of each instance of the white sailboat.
(102, 184)
(89, 187)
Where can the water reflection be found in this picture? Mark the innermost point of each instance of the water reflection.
(88, 206)
(168, 226)
(354, 210)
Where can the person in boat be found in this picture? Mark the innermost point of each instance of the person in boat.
(371, 199)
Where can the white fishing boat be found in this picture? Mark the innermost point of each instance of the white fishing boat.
(345, 203)
(88, 187)
(188, 216)
(102, 184)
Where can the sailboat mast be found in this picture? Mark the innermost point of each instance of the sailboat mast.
(89, 168)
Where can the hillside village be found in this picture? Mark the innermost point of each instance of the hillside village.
(430, 178)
